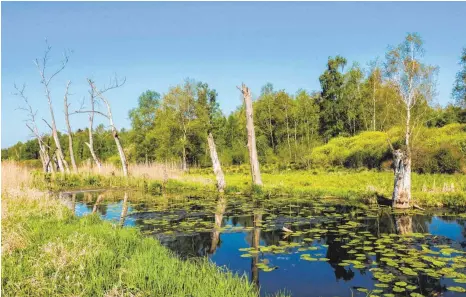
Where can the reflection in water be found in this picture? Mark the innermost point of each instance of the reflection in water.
(220, 210)
(69, 199)
(404, 224)
(192, 226)
(124, 209)
(97, 203)
(256, 234)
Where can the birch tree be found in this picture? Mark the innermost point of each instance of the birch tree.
(459, 89)
(414, 83)
(253, 159)
(45, 81)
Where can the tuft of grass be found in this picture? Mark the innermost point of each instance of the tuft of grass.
(57, 254)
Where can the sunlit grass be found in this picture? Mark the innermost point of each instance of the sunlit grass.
(46, 251)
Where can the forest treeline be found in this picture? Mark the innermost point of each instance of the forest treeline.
(347, 123)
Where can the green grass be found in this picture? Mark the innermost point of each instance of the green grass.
(363, 185)
(60, 182)
(427, 189)
(46, 251)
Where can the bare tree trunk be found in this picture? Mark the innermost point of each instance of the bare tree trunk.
(109, 116)
(287, 129)
(183, 161)
(90, 144)
(221, 205)
(124, 162)
(270, 126)
(216, 163)
(32, 125)
(402, 188)
(253, 159)
(42, 159)
(165, 175)
(70, 138)
(46, 81)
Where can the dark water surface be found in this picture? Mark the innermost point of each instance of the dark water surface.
(334, 249)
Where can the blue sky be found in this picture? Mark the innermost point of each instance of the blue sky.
(158, 44)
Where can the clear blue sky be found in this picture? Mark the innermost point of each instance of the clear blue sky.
(158, 45)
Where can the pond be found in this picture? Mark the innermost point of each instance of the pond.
(303, 246)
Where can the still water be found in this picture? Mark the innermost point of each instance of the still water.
(333, 249)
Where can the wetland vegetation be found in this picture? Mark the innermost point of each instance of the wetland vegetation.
(357, 189)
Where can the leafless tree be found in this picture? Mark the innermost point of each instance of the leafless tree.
(90, 144)
(216, 163)
(31, 124)
(254, 161)
(96, 93)
(68, 126)
(45, 81)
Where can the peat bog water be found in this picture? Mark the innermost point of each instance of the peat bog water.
(334, 249)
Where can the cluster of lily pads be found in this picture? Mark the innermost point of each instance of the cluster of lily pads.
(396, 262)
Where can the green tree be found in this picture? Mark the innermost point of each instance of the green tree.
(142, 123)
(415, 85)
(459, 89)
(332, 81)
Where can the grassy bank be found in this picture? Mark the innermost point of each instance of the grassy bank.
(427, 189)
(46, 251)
(434, 190)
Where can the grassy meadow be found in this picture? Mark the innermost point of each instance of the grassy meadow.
(47, 251)
(431, 190)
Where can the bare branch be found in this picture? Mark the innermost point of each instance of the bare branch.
(90, 112)
(48, 124)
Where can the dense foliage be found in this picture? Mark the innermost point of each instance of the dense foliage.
(344, 124)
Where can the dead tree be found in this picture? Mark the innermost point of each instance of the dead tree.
(253, 159)
(90, 144)
(216, 163)
(47, 166)
(109, 116)
(207, 103)
(45, 81)
(68, 126)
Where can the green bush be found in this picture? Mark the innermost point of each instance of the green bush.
(371, 150)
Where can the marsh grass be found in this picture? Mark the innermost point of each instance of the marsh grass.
(434, 190)
(428, 189)
(46, 251)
